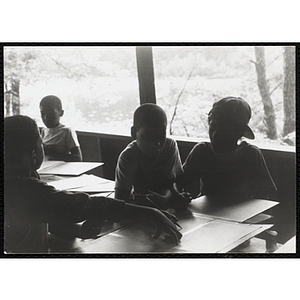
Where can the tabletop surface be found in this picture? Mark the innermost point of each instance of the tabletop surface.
(207, 226)
(201, 234)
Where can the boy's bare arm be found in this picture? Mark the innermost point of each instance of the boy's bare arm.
(110, 208)
(153, 199)
(170, 198)
(75, 155)
(181, 199)
(162, 222)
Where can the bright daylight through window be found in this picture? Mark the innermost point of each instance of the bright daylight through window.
(189, 79)
(99, 86)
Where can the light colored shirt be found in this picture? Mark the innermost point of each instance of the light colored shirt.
(134, 170)
(61, 137)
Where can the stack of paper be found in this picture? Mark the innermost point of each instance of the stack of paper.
(84, 183)
(205, 236)
(67, 168)
(237, 212)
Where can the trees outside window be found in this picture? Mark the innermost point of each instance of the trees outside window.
(189, 79)
(264, 91)
(289, 90)
(99, 85)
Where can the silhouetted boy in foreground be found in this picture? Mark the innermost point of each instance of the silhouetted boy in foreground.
(29, 204)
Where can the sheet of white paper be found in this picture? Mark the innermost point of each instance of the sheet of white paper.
(80, 181)
(104, 187)
(288, 247)
(70, 168)
(219, 236)
(103, 194)
(206, 236)
(49, 164)
(238, 212)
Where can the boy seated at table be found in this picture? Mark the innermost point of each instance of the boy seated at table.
(229, 169)
(29, 204)
(60, 142)
(148, 166)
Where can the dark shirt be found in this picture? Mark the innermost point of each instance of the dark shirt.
(30, 204)
(237, 175)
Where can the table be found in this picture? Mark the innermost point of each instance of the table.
(201, 234)
(207, 227)
(288, 247)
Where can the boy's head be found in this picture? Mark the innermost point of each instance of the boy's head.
(149, 129)
(51, 110)
(22, 143)
(228, 122)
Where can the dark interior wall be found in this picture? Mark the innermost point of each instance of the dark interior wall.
(103, 148)
(282, 166)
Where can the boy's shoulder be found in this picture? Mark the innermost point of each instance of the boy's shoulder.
(132, 150)
(244, 150)
(170, 144)
(61, 129)
(26, 186)
(26, 181)
(247, 148)
(203, 146)
(242, 147)
(132, 146)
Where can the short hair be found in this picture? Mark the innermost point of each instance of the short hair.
(52, 101)
(20, 136)
(149, 115)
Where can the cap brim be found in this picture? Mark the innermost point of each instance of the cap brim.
(249, 133)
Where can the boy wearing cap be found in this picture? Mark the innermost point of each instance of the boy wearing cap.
(229, 170)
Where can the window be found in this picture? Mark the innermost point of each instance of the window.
(99, 88)
(97, 85)
(189, 79)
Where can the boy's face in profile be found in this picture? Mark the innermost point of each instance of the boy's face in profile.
(223, 136)
(50, 115)
(151, 141)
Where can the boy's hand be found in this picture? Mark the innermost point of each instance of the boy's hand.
(153, 215)
(163, 223)
(181, 200)
(150, 198)
(170, 215)
(89, 230)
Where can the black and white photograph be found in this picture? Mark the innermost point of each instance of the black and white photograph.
(177, 174)
(149, 149)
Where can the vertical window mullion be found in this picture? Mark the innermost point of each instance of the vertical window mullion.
(145, 72)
